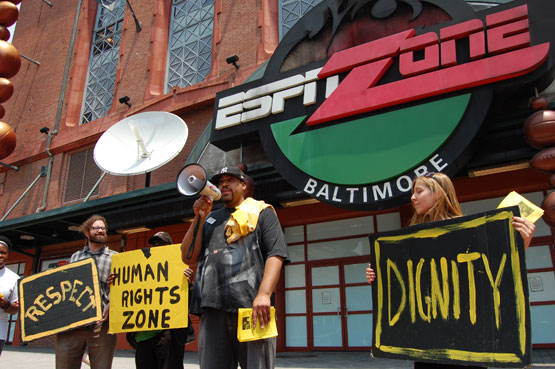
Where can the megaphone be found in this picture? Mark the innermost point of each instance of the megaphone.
(192, 181)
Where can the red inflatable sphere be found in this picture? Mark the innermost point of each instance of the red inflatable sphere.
(544, 160)
(538, 103)
(6, 89)
(4, 33)
(10, 60)
(548, 206)
(552, 181)
(539, 129)
(8, 13)
(7, 140)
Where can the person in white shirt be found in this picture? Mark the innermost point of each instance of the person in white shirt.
(8, 290)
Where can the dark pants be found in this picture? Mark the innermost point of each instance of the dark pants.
(154, 353)
(2, 346)
(70, 347)
(166, 350)
(218, 347)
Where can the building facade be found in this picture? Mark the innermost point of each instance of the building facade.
(92, 66)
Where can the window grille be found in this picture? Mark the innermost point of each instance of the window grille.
(290, 11)
(190, 42)
(82, 175)
(103, 62)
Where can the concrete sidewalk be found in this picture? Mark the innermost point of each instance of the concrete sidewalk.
(21, 357)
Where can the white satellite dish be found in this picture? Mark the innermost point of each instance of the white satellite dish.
(140, 143)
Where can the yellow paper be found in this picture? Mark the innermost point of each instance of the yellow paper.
(527, 209)
(150, 291)
(246, 331)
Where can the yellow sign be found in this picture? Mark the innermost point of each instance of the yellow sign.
(247, 332)
(527, 209)
(150, 290)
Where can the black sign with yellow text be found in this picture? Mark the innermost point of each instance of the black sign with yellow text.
(453, 292)
(59, 299)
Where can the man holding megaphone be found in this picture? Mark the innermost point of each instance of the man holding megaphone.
(240, 249)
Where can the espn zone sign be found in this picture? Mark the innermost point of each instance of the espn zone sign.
(355, 130)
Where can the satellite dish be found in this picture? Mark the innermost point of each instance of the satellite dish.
(140, 143)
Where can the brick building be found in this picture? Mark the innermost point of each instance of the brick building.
(85, 58)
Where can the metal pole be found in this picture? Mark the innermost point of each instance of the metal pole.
(9, 166)
(137, 23)
(29, 59)
(95, 186)
(47, 2)
(42, 174)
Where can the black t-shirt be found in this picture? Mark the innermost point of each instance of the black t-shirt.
(229, 275)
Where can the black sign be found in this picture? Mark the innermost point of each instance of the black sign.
(453, 292)
(59, 299)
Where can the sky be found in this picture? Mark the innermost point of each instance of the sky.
(12, 27)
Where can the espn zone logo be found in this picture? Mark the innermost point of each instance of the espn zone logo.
(498, 50)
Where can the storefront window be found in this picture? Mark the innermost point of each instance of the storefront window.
(538, 257)
(543, 324)
(388, 222)
(294, 276)
(340, 228)
(295, 301)
(296, 331)
(338, 249)
(294, 234)
(296, 253)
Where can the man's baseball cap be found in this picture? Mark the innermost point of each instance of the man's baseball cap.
(230, 171)
(164, 236)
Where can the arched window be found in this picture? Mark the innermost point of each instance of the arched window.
(103, 62)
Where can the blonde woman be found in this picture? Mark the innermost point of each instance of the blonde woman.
(434, 198)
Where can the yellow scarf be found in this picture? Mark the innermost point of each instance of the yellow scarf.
(244, 220)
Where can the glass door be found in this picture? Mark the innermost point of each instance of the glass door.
(341, 307)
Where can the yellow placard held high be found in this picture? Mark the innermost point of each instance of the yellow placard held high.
(247, 332)
(150, 290)
(527, 209)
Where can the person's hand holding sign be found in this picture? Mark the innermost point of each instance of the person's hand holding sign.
(9, 307)
(261, 310)
(370, 274)
(525, 228)
(189, 274)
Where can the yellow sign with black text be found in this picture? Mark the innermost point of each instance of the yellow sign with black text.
(150, 290)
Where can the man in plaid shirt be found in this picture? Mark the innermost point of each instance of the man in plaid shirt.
(70, 345)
